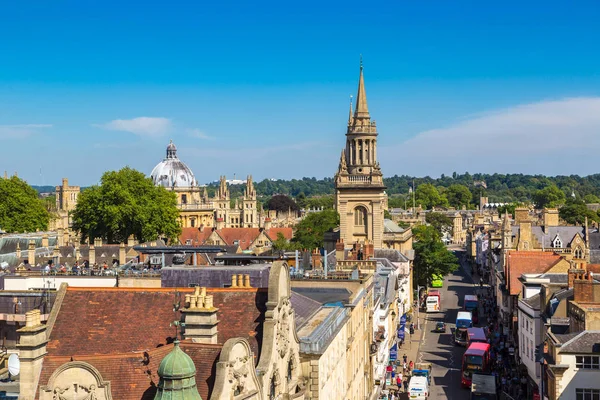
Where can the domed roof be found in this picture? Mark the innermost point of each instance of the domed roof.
(176, 365)
(177, 374)
(172, 171)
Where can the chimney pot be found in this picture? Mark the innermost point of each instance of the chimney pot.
(247, 280)
(233, 280)
(208, 304)
(240, 282)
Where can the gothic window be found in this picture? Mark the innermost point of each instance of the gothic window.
(290, 370)
(578, 253)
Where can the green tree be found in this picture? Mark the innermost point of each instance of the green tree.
(574, 212)
(429, 196)
(458, 196)
(20, 208)
(550, 196)
(126, 203)
(431, 256)
(282, 203)
(309, 232)
(282, 244)
(439, 221)
(591, 198)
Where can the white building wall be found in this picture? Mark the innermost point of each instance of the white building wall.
(54, 282)
(575, 378)
(529, 339)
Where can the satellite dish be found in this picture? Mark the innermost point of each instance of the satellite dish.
(14, 365)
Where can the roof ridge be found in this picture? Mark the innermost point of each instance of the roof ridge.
(573, 338)
(160, 290)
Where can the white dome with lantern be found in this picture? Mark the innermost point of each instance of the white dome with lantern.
(172, 172)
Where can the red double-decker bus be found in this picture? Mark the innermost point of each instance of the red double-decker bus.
(475, 360)
(476, 335)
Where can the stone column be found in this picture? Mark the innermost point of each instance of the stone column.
(32, 349)
(18, 251)
(45, 240)
(60, 237)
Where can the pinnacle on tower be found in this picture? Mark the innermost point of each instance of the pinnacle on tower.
(350, 114)
(362, 110)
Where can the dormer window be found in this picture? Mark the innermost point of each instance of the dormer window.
(557, 243)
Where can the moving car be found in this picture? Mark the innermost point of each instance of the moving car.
(418, 387)
(440, 327)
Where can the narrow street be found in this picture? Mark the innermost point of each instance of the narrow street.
(439, 348)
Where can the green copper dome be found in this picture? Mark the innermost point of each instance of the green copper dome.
(177, 374)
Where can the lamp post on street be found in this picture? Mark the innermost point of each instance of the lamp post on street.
(419, 304)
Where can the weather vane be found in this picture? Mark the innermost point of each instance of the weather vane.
(178, 324)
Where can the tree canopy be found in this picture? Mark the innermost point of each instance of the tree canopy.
(431, 256)
(429, 196)
(574, 212)
(281, 203)
(20, 208)
(439, 221)
(310, 231)
(458, 196)
(126, 203)
(550, 196)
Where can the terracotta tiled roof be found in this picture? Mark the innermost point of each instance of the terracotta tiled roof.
(527, 262)
(287, 233)
(120, 324)
(134, 376)
(195, 235)
(244, 236)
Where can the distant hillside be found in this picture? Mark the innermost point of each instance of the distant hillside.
(498, 187)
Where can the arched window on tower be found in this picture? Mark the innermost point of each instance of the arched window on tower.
(578, 253)
(360, 219)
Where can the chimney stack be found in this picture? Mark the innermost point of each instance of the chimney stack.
(200, 317)
(45, 240)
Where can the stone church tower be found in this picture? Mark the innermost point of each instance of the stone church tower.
(360, 196)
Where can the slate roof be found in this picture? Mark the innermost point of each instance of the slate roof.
(390, 226)
(390, 254)
(111, 328)
(587, 342)
(534, 301)
(325, 295)
(527, 262)
(594, 243)
(304, 308)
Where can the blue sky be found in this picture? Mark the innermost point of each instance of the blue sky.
(262, 88)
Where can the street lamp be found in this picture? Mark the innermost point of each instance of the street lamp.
(418, 304)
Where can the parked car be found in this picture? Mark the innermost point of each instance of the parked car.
(440, 327)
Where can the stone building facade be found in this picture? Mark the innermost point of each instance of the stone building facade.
(196, 208)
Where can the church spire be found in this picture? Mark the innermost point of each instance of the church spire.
(362, 110)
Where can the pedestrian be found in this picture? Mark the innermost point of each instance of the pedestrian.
(406, 385)
(404, 366)
(399, 380)
(405, 357)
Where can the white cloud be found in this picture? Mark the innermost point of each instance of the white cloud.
(20, 130)
(551, 137)
(142, 126)
(198, 134)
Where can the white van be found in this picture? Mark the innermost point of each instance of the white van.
(418, 388)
